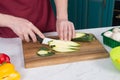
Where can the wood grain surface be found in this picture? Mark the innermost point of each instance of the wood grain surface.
(87, 51)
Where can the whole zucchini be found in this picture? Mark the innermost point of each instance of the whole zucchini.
(83, 37)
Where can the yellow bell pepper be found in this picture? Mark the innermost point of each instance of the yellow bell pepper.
(7, 72)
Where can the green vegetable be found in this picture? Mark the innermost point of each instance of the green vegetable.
(83, 37)
(62, 43)
(64, 46)
(44, 51)
(61, 49)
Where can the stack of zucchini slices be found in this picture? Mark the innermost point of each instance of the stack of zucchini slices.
(61, 46)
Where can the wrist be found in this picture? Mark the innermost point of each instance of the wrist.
(62, 17)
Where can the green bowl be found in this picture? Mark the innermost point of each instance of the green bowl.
(115, 56)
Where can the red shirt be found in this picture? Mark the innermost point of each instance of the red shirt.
(39, 12)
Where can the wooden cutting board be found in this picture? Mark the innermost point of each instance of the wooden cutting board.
(87, 51)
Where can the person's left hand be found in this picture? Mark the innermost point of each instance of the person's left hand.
(65, 29)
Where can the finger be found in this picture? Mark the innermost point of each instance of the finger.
(33, 36)
(59, 27)
(26, 37)
(37, 31)
(21, 37)
(61, 32)
(70, 32)
(65, 32)
(73, 30)
(58, 30)
(41, 35)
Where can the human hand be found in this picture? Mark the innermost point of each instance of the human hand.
(24, 29)
(65, 29)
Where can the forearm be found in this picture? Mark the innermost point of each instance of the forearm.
(5, 20)
(61, 9)
(23, 28)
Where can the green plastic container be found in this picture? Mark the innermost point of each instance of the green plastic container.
(109, 41)
(115, 56)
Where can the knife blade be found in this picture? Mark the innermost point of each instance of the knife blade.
(43, 41)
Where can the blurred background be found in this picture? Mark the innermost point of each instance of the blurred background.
(116, 14)
(93, 13)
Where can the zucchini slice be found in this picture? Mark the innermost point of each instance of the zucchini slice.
(64, 46)
(44, 51)
(83, 37)
(61, 49)
(62, 43)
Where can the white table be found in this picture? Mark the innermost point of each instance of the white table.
(100, 69)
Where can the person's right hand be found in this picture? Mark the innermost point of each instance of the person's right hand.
(24, 29)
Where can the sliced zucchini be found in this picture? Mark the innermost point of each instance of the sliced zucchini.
(44, 51)
(63, 43)
(79, 35)
(44, 48)
(83, 37)
(61, 49)
(64, 46)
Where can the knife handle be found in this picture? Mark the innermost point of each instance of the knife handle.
(38, 38)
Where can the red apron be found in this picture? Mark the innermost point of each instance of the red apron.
(39, 12)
